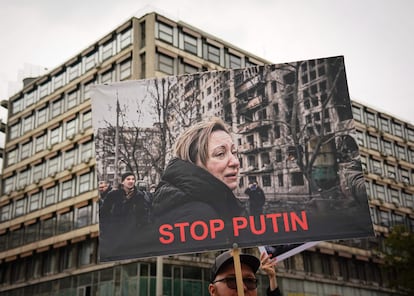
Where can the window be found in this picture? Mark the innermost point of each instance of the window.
(126, 38)
(385, 218)
(407, 199)
(90, 61)
(28, 124)
(86, 90)
(189, 69)
(373, 142)
(57, 108)
(69, 159)
(47, 227)
(26, 150)
(398, 129)
(85, 182)
(190, 44)
(125, 69)
(390, 171)
(44, 90)
(387, 147)
(67, 189)
(278, 153)
(107, 77)
(213, 53)
(23, 179)
(30, 98)
(40, 143)
(71, 128)
(395, 196)
(87, 119)
(165, 64)
(59, 80)
(53, 165)
(84, 216)
(266, 181)
(72, 99)
(360, 138)
(14, 131)
(74, 71)
(37, 172)
(356, 111)
(86, 151)
(234, 62)
(50, 195)
(11, 157)
(370, 119)
(165, 32)
(19, 207)
(410, 134)
(143, 65)
(379, 192)
(5, 212)
(107, 50)
(376, 167)
(86, 253)
(384, 124)
(30, 233)
(55, 136)
(297, 179)
(401, 152)
(65, 222)
(35, 201)
(17, 106)
(405, 176)
(41, 116)
(8, 185)
(142, 30)
(250, 63)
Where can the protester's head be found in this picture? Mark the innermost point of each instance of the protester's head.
(128, 180)
(102, 186)
(208, 144)
(223, 275)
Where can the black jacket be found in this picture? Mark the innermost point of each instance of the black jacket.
(189, 193)
(120, 218)
(185, 184)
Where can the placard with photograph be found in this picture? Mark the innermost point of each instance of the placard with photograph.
(293, 173)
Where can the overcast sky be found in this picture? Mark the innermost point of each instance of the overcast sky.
(375, 36)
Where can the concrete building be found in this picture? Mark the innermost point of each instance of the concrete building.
(48, 201)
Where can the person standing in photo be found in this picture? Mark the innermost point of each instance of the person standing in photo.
(256, 198)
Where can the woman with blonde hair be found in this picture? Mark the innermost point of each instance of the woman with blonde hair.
(198, 183)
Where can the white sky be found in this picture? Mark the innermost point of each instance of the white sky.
(375, 36)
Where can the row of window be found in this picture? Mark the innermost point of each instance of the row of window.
(66, 101)
(49, 167)
(383, 123)
(48, 263)
(42, 229)
(391, 218)
(399, 197)
(387, 170)
(200, 47)
(79, 67)
(387, 148)
(74, 186)
(138, 278)
(50, 137)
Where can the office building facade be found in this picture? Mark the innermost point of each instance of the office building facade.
(49, 202)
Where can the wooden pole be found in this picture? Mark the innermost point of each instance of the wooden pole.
(237, 270)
